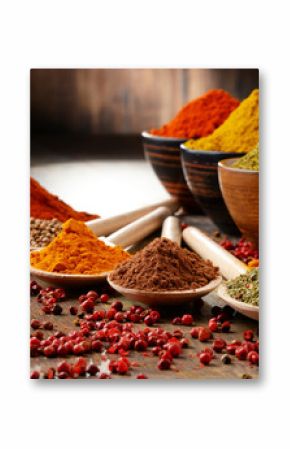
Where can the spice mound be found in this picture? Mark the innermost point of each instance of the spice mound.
(163, 265)
(42, 232)
(238, 134)
(76, 250)
(250, 161)
(245, 287)
(45, 205)
(201, 116)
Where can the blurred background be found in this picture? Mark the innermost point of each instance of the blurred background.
(81, 119)
(101, 112)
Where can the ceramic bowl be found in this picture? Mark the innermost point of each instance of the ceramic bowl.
(164, 155)
(240, 190)
(200, 169)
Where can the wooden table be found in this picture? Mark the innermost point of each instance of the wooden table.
(187, 366)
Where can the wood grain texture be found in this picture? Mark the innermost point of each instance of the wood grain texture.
(240, 190)
(185, 367)
(126, 101)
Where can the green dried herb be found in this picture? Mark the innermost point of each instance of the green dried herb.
(250, 161)
(245, 287)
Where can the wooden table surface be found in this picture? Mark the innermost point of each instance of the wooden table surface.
(187, 366)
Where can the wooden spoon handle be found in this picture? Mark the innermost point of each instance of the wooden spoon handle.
(229, 265)
(171, 229)
(139, 229)
(105, 226)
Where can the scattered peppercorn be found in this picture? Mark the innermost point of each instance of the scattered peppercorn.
(226, 359)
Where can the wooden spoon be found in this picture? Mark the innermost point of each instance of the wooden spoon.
(125, 237)
(229, 265)
(171, 230)
(105, 226)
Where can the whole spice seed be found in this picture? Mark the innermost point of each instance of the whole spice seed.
(245, 287)
(243, 250)
(226, 359)
(42, 232)
(163, 265)
(76, 250)
(99, 332)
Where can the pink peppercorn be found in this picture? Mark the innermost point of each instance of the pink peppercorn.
(176, 320)
(117, 305)
(248, 335)
(226, 325)
(141, 376)
(253, 357)
(148, 320)
(184, 342)
(35, 324)
(174, 348)
(141, 345)
(164, 364)
(195, 331)
(34, 375)
(205, 358)
(204, 334)
(63, 366)
(73, 310)
(34, 342)
(219, 344)
(48, 325)
(104, 298)
(122, 366)
(213, 325)
(97, 345)
(241, 353)
(92, 294)
(87, 306)
(187, 320)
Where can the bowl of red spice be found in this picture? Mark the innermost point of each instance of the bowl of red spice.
(198, 118)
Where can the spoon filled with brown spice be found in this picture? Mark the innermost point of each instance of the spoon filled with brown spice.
(163, 273)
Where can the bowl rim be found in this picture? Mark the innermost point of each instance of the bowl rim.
(224, 163)
(212, 152)
(148, 135)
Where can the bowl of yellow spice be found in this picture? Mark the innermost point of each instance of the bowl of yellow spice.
(238, 135)
(239, 183)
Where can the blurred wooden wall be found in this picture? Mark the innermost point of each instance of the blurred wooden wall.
(123, 101)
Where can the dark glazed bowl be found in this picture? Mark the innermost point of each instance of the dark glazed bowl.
(240, 189)
(164, 156)
(200, 169)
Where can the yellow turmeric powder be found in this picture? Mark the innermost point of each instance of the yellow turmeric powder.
(239, 133)
(76, 250)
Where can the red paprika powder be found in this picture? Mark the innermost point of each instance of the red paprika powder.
(46, 206)
(200, 117)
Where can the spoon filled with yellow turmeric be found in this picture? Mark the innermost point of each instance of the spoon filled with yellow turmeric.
(77, 257)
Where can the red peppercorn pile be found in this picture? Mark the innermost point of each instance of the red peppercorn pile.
(111, 338)
(243, 250)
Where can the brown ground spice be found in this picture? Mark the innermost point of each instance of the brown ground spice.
(163, 265)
